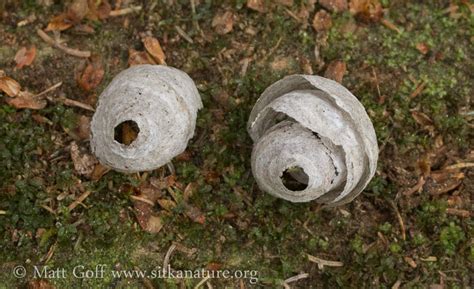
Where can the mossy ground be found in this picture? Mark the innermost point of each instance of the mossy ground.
(245, 228)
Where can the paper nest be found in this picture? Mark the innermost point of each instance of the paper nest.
(162, 101)
(317, 125)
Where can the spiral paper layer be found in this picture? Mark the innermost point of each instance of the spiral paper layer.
(162, 101)
(314, 124)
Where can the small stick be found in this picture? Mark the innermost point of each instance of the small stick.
(166, 261)
(390, 25)
(183, 34)
(400, 220)
(144, 200)
(458, 212)
(49, 89)
(125, 11)
(294, 279)
(72, 102)
(459, 166)
(2, 212)
(202, 282)
(321, 262)
(70, 51)
(79, 200)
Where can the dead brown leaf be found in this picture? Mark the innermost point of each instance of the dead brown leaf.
(444, 181)
(166, 204)
(421, 118)
(59, 23)
(91, 76)
(83, 128)
(423, 48)
(154, 224)
(99, 171)
(336, 70)
(9, 86)
(334, 5)
(194, 214)
(139, 57)
(322, 21)
(223, 23)
(143, 205)
(366, 10)
(153, 47)
(280, 63)
(77, 11)
(84, 162)
(25, 57)
(25, 99)
(257, 5)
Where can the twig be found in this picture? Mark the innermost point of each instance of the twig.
(145, 200)
(376, 82)
(201, 282)
(166, 261)
(390, 25)
(79, 200)
(458, 212)
(293, 15)
(400, 220)
(48, 209)
(72, 102)
(2, 212)
(125, 11)
(321, 262)
(419, 88)
(271, 50)
(183, 34)
(421, 182)
(459, 166)
(70, 51)
(49, 89)
(294, 279)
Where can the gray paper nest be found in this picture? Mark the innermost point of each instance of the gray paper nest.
(162, 101)
(316, 125)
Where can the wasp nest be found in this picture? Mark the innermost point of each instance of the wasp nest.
(313, 141)
(145, 117)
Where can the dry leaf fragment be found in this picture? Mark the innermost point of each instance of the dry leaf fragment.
(83, 128)
(194, 214)
(423, 48)
(223, 23)
(366, 10)
(77, 11)
(84, 162)
(139, 57)
(99, 171)
(104, 9)
(154, 224)
(9, 86)
(322, 21)
(25, 57)
(257, 5)
(166, 204)
(336, 70)
(153, 47)
(334, 5)
(25, 99)
(59, 23)
(321, 262)
(91, 76)
(421, 118)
